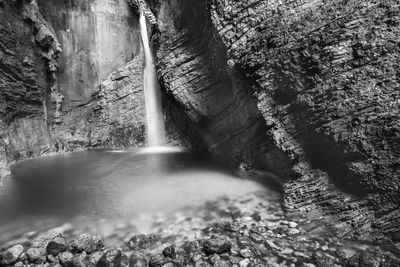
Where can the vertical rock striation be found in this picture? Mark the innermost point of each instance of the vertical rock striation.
(193, 70)
(23, 83)
(70, 77)
(318, 81)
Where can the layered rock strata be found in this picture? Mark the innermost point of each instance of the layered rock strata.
(322, 82)
(71, 77)
(192, 67)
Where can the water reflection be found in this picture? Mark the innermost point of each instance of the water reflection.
(98, 184)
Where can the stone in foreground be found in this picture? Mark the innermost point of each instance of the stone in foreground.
(88, 243)
(11, 255)
(216, 245)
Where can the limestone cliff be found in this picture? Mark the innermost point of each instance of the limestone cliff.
(192, 67)
(315, 80)
(71, 76)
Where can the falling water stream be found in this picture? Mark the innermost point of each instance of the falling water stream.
(154, 117)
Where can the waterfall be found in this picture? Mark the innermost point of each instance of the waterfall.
(155, 129)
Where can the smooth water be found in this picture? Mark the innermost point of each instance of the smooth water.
(84, 187)
(154, 116)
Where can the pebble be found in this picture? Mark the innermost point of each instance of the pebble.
(51, 259)
(196, 257)
(43, 240)
(66, 258)
(232, 227)
(111, 258)
(234, 260)
(157, 260)
(325, 248)
(256, 237)
(139, 259)
(41, 260)
(169, 252)
(325, 261)
(345, 253)
(244, 241)
(79, 260)
(56, 246)
(367, 259)
(246, 253)
(214, 258)
(87, 242)
(287, 251)
(269, 244)
(244, 263)
(258, 229)
(94, 257)
(194, 246)
(137, 241)
(293, 231)
(34, 254)
(125, 262)
(217, 245)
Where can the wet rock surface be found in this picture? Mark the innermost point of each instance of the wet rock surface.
(220, 233)
(323, 76)
(56, 246)
(216, 245)
(213, 109)
(50, 94)
(11, 255)
(65, 84)
(87, 243)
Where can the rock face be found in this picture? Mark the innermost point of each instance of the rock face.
(192, 65)
(22, 72)
(317, 80)
(97, 37)
(87, 96)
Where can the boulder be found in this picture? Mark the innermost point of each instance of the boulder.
(217, 245)
(56, 246)
(112, 258)
(87, 242)
(11, 255)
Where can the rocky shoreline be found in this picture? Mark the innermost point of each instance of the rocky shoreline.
(241, 231)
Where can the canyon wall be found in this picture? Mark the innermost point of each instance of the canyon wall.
(71, 77)
(223, 115)
(307, 90)
(316, 80)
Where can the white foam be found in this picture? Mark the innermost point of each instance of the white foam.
(161, 149)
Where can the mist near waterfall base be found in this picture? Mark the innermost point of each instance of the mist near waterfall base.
(92, 185)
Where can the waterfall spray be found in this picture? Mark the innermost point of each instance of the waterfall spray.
(155, 129)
